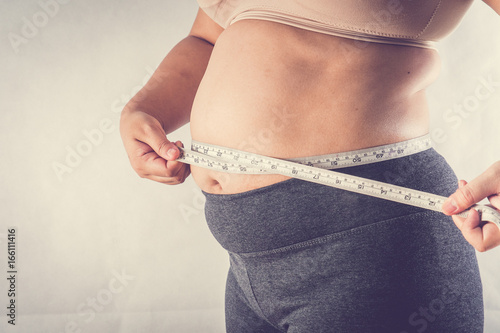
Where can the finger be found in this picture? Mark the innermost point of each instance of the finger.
(152, 134)
(495, 200)
(161, 146)
(468, 194)
(491, 236)
(179, 144)
(459, 221)
(166, 180)
(147, 163)
(481, 237)
(472, 231)
(174, 179)
(187, 171)
(168, 167)
(184, 172)
(472, 222)
(175, 167)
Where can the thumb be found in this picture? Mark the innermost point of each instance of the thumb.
(469, 194)
(166, 149)
(155, 138)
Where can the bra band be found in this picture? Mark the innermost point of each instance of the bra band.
(330, 30)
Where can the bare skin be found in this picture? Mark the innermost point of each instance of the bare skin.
(301, 97)
(280, 91)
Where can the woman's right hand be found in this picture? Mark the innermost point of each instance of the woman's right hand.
(151, 155)
(483, 236)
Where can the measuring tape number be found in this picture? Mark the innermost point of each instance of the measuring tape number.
(314, 169)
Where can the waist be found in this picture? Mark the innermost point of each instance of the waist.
(219, 179)
(295, 210)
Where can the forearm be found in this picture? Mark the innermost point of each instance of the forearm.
(168, 96)
(494, 4)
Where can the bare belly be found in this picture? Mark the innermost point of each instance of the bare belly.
(285, 92)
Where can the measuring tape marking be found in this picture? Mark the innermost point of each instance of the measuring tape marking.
(235, 161)
(333, 161)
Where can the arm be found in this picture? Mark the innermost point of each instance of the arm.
(164, 104)
(494, 4)
(482, 236)
(169, 94)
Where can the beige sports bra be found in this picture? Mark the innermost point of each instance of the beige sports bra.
(418, 23)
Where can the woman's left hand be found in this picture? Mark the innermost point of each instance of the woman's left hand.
(482, 235)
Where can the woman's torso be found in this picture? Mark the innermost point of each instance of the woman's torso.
(285, 92)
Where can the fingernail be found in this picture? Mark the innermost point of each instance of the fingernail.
(171, 152)
(450, 206)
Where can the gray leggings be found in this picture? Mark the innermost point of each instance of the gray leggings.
(306, 258)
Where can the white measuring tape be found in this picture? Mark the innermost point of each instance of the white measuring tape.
(314, 169)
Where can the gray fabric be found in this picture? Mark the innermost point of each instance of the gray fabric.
(310, 258)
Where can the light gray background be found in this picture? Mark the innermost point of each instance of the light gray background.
(79, 230)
